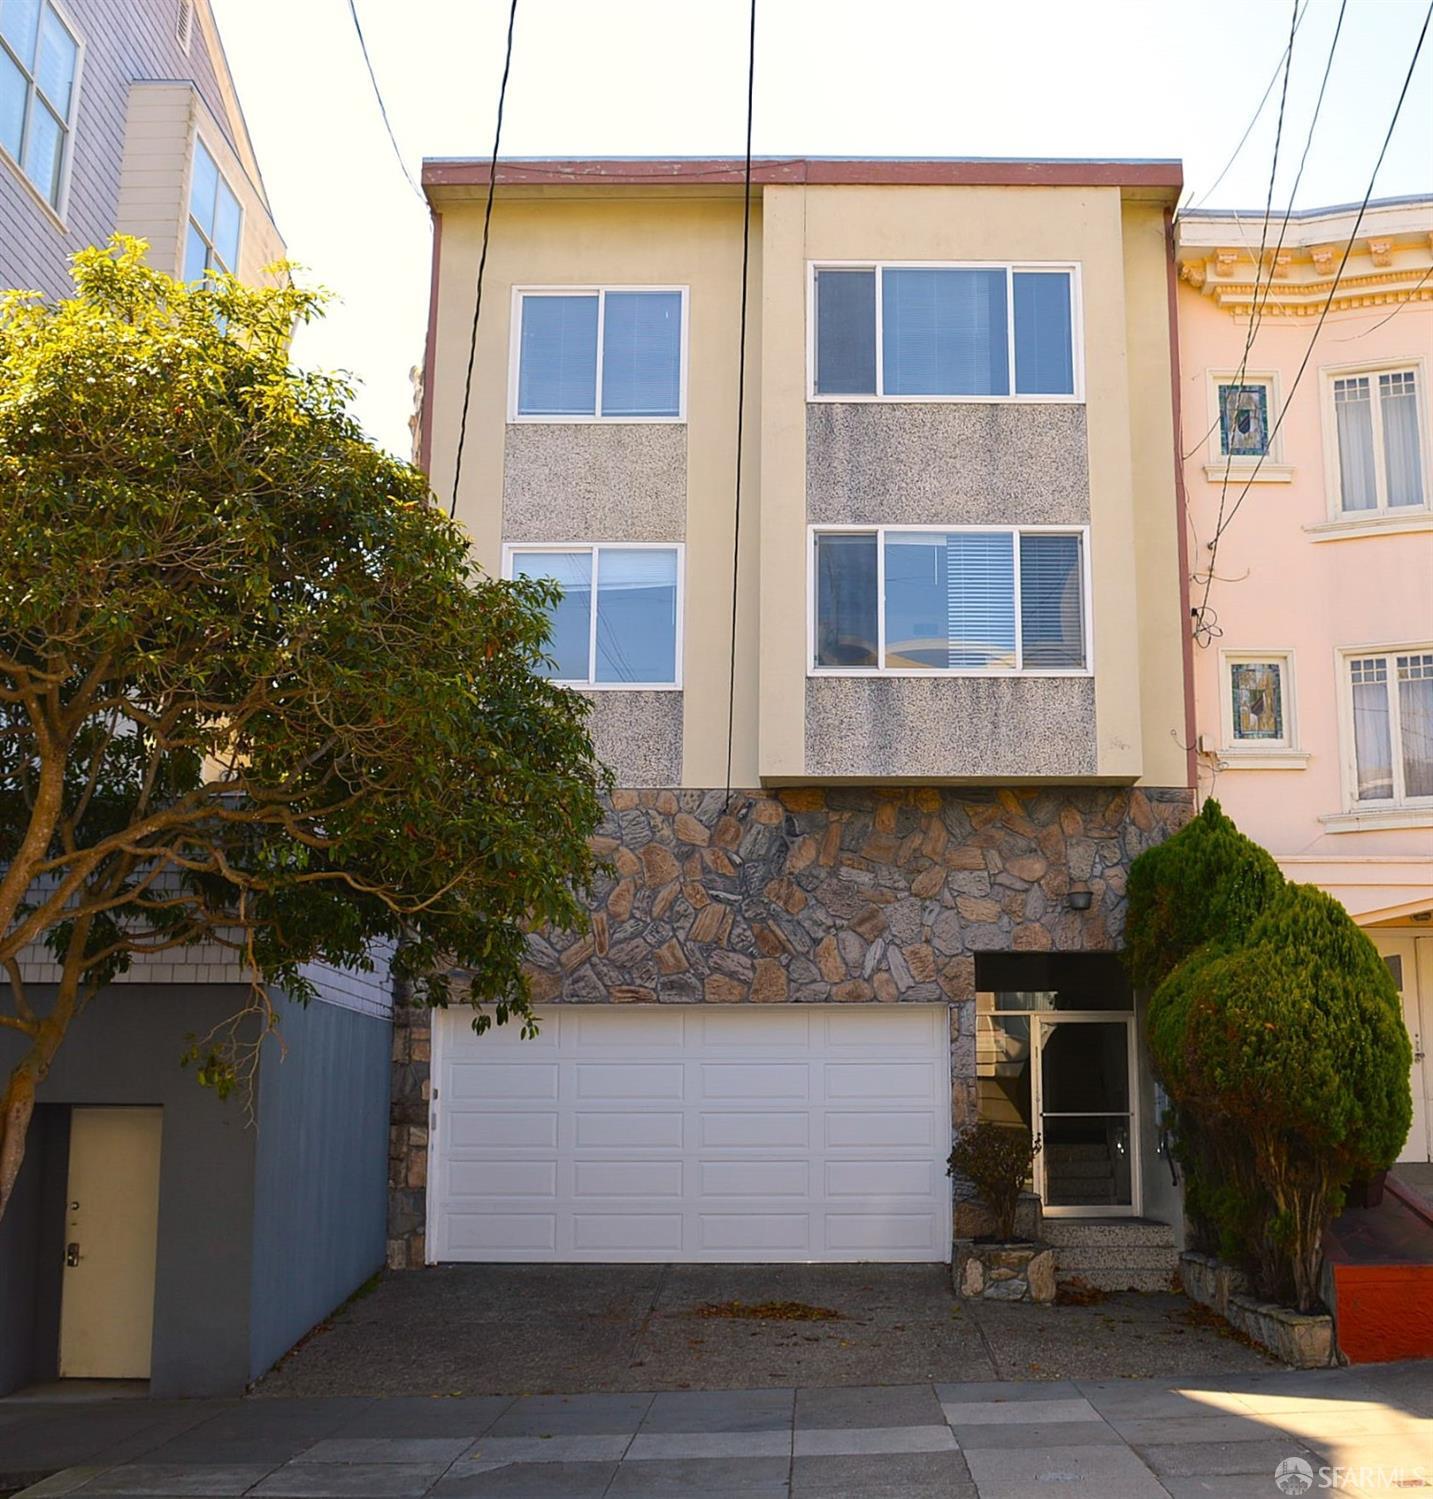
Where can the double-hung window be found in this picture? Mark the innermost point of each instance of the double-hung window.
(1391, 706)
(615, 354)
(904, 600)
(212, 242)
(618, 622)
(39, 74)
(1379, 418)
(917, 332)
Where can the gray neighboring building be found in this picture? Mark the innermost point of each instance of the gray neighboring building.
(155, 1231)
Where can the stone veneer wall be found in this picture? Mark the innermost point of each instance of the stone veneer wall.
(816, 895)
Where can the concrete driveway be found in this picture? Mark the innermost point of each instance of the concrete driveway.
(519, 1329)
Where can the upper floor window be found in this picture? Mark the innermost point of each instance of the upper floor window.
(1244, 419)
(945, 331)
(1391, 701)
(39, 70)
(618, 623)
(212, 243)
(1378, 421)
(600, 354)
(908, 601)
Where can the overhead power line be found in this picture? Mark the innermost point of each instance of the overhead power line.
(482, 262)
(378, 95)
(1226, 522)
(741, 386)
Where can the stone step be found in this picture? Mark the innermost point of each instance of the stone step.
(1079, 1260)
(1090, 1151)
(1118, 1280)
(1106, 1233)
(1080, 1170)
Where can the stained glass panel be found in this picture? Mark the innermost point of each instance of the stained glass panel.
(1258, 699)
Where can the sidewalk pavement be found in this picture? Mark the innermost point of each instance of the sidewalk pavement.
(1365, 1431)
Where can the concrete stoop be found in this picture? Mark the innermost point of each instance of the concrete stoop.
(1113, 1254)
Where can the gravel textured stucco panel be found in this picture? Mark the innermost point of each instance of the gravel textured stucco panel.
(639, 736)
(952, 464)
(904, 727)
(595, 481)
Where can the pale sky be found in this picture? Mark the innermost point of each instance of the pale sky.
(1025, 78)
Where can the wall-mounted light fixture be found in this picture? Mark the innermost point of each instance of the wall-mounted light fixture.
(1079, 898)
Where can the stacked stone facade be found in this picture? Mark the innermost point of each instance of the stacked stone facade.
(817, 895)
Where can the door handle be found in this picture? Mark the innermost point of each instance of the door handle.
(72, 1254)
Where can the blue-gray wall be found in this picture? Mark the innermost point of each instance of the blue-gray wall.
(321, 1175)
(263, 1228)
(125, 1049)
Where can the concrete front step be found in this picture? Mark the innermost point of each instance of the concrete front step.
(1117, 1280)
(1106, 1233)
(1079, 1261)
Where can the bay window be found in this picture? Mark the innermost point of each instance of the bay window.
(618, 621)
(906, 600)
(39, 76)
(1391, 705)
(942, 331)
(1378, 441)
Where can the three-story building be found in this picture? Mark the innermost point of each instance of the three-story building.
(1308, 451)
(885, 741)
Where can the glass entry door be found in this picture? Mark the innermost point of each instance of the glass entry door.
(1084, 1111)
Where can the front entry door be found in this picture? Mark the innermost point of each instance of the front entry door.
(1410, 961)
(1084, 1067)
(111, 1223)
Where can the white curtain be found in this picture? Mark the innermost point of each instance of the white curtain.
(1398, 405)
(1372, 744)
(1415, 715)
(1353, 404)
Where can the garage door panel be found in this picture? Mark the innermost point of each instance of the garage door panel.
(745, 1080)
(756, 1131)
(731, 1135)
(627, 1179)
(754, 1235)
(621, 1127)
(623, 1081)
(747, 1178)
(878, 1128)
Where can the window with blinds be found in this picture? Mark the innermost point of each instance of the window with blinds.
(904, 332)
(909, 600)
(594, 355)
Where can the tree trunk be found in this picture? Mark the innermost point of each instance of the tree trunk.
(19, 1101)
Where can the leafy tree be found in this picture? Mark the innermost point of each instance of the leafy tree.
(1207, 883)
(252, 690)
(1293, 1041)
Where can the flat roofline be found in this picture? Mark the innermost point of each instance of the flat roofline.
(970, 171)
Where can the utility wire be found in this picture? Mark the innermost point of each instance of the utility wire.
(482, 263)
(1323, 314)
(378, 95)
(1417, 287)
(741, 388)
(1257, 316)
(1259, 268)
(1254, 120)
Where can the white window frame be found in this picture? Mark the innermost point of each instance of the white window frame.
(1382, 511)
(191, 222)
(881, 670)
(1260, 754)
(1272, 469)
(595, 549)
(1010, 267)
(600, 292)
(58, 209)
(1413, 811)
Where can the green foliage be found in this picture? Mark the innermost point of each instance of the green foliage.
(1276, 1030)
(997, 1159)
(1207, 883)
(253, 690)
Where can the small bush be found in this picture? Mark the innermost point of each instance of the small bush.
(997, 1159)
(1207, 883)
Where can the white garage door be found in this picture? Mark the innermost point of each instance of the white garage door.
(810, 1133)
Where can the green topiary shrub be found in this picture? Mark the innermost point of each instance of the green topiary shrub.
(997, 1159)
(1288, 1051)
(1207, 883)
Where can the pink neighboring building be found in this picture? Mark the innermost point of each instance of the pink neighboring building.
(1313, 662)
